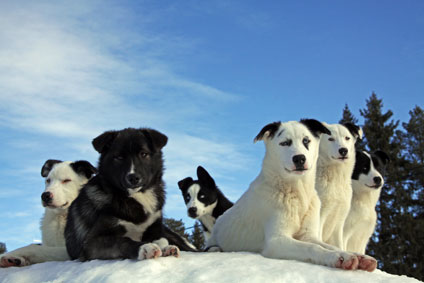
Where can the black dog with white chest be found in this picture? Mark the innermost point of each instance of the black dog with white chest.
(204, 201)
(118, 214)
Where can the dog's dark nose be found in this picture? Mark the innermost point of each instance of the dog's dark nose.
(47, 197)
(299, 160)
(377, 181)
(343, 151)
(192, 212)
(133, 179)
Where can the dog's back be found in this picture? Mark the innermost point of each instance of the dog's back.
(367, 181)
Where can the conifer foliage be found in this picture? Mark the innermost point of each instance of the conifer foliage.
(399, 236)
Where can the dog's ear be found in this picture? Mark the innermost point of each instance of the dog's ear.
(158, 139)
(356, 131)
(204, 176)
(383, 156)
(268, 131)
(184, 182)
(85, 168)
(316, 127)
(47, 167)
(103, 142)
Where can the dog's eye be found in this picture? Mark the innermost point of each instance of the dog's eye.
(118, 158)
(144, 154)
(347, 138)
(306, 141)
(187, 198)
(48, 181)
(201, 196)
(66, 181)
(286, 143)
(331, 139)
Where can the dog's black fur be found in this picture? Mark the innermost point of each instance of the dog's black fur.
(210, 192)
(130, 164)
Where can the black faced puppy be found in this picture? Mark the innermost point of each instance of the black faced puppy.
(204, 201)
(118, 214)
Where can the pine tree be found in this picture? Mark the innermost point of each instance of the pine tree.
(3, 248)
(390, 243)
(347, 116)
(177, 226)
(196, 237)
(414, 152)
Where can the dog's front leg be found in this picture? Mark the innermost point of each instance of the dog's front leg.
(280, 244)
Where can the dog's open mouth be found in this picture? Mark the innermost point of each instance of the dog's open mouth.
(297, 170)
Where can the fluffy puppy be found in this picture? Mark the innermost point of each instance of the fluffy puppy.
(118, 214)
(63, 181)
(333, 179)
(367, 181)
(204, 201)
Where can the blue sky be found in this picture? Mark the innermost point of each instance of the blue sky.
(208, 74)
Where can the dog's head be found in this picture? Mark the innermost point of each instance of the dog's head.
(369, 170)
(200, 196)
(339, 146)
(63, 180)
(131, 159)
(292, 147)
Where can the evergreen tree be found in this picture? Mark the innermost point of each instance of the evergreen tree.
(414, 153)
(2, 248)
(347, 116)
(391, 242)
(196, 237)
(177, 226)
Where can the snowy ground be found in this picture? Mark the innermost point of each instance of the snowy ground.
(190, 267)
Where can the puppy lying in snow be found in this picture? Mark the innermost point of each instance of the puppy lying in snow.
(333, 179)
(367, 181)
(278, 216)
(63, 183)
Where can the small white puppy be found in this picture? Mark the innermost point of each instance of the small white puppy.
(333, 179)
(367, 181)
(63, 183)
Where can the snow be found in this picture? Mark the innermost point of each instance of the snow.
(192, 267)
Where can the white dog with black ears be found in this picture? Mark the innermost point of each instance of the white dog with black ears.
(333, 179)
(63, 181)
(278, 216)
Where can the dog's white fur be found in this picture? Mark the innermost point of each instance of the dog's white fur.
(333, 182)
(278, 216)
(362, 218)
(204, 212)
(54, 220)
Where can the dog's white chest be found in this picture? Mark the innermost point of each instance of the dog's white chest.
(208, 220)
(135, 231)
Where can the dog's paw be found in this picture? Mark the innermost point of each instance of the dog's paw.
(367, 263)
(7, 261)
(148, 251)
(347, 261)
(213, 249)
(171, 250)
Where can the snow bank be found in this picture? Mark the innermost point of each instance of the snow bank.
(192, 267)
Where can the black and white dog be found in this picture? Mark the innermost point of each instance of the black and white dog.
(63, 181)
(205, 202)
(118, 214)
(367, 181)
